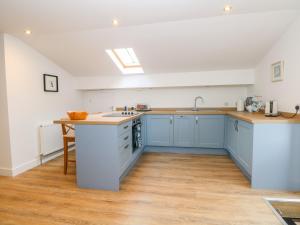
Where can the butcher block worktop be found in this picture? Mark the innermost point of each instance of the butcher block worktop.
(99, 119)
(254, 118)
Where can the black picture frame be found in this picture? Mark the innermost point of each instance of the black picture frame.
(50, 83)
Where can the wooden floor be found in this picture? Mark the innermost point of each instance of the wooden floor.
(162, 189)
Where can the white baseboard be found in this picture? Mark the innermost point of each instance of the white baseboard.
(25, 166)
(5, 172)
(29, 165)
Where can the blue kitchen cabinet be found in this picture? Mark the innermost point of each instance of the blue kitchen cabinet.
(245, 145)
(160, 130)
(266, 153)
(209, 131)
(184, 130)
(232, 136)
(103, 154)
(239, 142)
(226, 120)
(144, 130)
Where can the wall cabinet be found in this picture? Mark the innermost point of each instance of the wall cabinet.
(160, 130)
(184, 130)
(209, 131)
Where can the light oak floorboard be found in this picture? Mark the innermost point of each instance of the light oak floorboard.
(162, 189)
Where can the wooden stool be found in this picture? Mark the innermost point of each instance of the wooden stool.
(68, 136)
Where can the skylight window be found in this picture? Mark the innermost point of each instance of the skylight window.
(126, 60)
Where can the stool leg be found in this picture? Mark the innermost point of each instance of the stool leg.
(65, 156)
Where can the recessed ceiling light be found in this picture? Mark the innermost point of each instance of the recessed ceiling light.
(227, 8)
(115, 22)
(28, 32)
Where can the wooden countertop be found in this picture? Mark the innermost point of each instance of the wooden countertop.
(185, 112)
(254, 118)
(99, 119)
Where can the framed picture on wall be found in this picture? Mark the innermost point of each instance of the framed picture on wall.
(277, 71)
(50, 83)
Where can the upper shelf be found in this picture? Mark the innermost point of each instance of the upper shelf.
(197, 79)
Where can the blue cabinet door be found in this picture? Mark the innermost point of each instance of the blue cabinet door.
(226, 132)
(160, 130)
(184, 130)
(209, 131)
(232, 136)
(245, 145)
(144, 130)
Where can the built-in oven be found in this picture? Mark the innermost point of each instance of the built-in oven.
(137, 141)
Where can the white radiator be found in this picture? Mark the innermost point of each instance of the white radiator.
(50, 138)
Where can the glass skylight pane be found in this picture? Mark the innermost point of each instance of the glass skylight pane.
(131, 66)
(127, 56)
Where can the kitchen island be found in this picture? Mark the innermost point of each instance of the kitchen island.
(104, 151)
(265, 149)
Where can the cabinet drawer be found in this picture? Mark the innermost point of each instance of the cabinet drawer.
(124, 138)
(125, 155)
(125, 127)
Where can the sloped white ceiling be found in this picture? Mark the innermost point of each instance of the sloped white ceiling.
(169, 36)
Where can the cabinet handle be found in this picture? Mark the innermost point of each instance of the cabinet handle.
(236, 125)
(126, 138)
(126, 146)
(125, 127)
(171, 120)
(196, 119)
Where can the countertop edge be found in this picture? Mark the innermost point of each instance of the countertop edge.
(244, 116)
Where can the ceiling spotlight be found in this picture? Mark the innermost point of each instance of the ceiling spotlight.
(28, 32)
(115, 22)
(227, 8)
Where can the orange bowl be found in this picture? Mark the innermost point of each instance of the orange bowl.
(77, 115)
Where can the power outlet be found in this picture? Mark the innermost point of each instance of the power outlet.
(297, 107)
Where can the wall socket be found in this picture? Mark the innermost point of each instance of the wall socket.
(297, 107)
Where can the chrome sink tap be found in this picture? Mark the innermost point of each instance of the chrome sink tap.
(195, 103)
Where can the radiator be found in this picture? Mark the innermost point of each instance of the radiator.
(50, 138)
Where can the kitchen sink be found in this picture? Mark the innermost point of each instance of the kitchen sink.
(116, 115)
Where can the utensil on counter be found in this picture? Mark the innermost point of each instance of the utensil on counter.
(240, 105)
(252, 104)
(271, 108)
(143, 107)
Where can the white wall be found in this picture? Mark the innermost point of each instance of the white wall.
(5, 159)
(287, 92)
(196, 79)
(95, 101)
(28, 104)
(219, 88)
